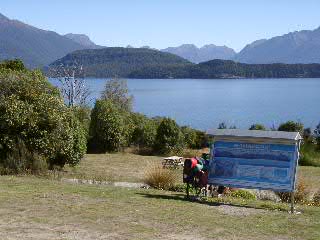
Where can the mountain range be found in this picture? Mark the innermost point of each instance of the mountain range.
(148, 63)
(36, 47)
(203, 54)
(295, 47)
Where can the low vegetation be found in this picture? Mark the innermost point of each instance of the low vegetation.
(37, 129)
(161, 178)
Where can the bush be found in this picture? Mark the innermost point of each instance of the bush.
(316, 198)
(310, 156)
(145, 132)
(169, 138)
(14, 65)
(161, 178)
(301, 195)
(33, 111)
(291, 126)
(257, 126)
(241, 193)
(222, 125)
(82, 113)
(21, 160)
(107, 127)
(190, 137)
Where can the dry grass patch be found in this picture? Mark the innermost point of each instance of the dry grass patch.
(161, 178)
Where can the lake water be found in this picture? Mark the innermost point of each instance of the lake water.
(204, 103)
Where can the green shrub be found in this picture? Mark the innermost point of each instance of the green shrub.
(257, 126)
(161, 178)
(310, 155)
(82, 113)
(169, 138)
(107, 127)
(190, 136)
(145, 132)
(291, 126)
(14, 65)
(241, 193)
(33, 111)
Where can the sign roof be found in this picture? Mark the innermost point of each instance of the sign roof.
(254, 134)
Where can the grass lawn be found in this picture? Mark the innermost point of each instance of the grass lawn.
(112, 167)
(40, 208)
(36, 208)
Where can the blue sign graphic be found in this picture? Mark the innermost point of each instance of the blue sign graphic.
(251, 165)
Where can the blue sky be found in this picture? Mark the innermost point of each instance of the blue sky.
(162, 23)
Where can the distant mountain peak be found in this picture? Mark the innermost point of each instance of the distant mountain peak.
(3, 18)
(36, 47)
(82, 39)
(202, 54)
(293, 47)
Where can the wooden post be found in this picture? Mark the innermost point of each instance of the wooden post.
(292, 202)
(188, 188)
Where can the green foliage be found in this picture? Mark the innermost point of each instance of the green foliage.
(310, 155)
(240, 193)
(33, 111)
(107, 127)
(82, 113)
(257, 126)
(116, 90)
(15, 65)
(317, 135)
(194, 139)
(203, 140)
(190, 136)
(20, 160)
(145, 131)
(169, 137)
(291, 126)
(222, 125)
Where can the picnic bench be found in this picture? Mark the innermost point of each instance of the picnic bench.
(172, 162)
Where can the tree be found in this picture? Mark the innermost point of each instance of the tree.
(15, 65)
(73, 87)
(33, 115)
(190, 136)
(169, 138)
(257, 126)
(107, 127)
(145, 131)
(116, 90)
(222, 125)
(291, 126)
(317, 135)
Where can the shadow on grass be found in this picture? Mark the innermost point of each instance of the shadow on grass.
(264, 205)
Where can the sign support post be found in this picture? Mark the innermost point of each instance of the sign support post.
(292, 202)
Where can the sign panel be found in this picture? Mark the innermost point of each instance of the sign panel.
(251, 165)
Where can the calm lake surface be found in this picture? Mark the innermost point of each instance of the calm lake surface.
(204, 103)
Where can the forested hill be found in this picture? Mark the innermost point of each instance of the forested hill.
(121, 62)
(148, 63)
(231, 69)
